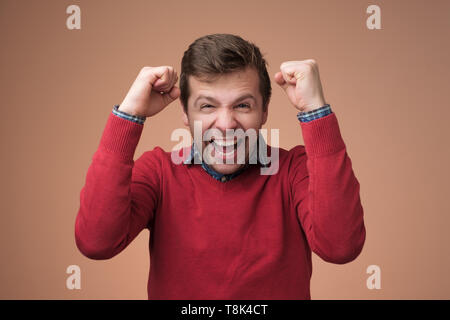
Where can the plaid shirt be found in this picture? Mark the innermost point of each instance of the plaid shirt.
(301, 116)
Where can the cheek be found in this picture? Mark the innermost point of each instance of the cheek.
(253, 121)
(205, 124)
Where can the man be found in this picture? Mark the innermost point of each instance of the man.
(222, 230)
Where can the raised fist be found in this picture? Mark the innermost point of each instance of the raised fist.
(301, 82)
(153, 90)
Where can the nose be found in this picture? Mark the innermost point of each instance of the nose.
(225, 120)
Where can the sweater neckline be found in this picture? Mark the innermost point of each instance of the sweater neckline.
(238, 181)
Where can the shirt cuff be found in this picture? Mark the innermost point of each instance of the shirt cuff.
(314, 114)
(127, 116)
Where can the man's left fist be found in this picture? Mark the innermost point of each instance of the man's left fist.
(301, 82)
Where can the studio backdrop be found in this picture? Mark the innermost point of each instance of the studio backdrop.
(384, 67)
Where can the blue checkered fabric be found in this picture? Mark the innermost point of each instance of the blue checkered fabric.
(127, 116)
(314, 114)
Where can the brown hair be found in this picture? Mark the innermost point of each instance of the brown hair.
(219, 53)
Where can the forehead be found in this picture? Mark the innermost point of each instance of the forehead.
(225, 87)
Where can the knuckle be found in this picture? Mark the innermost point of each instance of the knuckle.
(309, 67)
(284, 64)
(313, 64)
(146, 72)
(146, 69)
(167, 71)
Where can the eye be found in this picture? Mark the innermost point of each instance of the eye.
(207, 106)
(243, 106)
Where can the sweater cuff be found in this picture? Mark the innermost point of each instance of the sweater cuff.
(121, 136)
(322, 136)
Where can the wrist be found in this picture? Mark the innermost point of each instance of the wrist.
(314, 106)
(127, 110)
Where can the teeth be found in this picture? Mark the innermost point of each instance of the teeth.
(226, 154)
(224, 143)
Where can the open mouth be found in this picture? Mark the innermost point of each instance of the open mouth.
(226, 148)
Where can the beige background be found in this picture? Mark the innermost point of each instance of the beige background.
(389, 89)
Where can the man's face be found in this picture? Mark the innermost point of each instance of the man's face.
(230, 101)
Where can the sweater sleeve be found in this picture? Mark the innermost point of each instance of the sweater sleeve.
(119, 196)
(325, 192)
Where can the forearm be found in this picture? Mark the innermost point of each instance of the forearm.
(103, 224)
(332, 212)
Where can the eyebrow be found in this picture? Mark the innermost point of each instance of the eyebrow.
(244, 96)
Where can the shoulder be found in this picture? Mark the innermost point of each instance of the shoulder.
(283, 161)
(296, 157)
(287, 156)
(294, 162)
(297, 150)
(157, 153)
(163, 157)
(150, 159)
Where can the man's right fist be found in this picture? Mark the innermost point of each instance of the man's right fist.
(153, 89)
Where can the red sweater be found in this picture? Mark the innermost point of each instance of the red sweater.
(247, 238)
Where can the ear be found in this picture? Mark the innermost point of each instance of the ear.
(185, 119)
(265, 114)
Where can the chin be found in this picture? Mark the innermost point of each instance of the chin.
(226, 168)
(216, 149)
